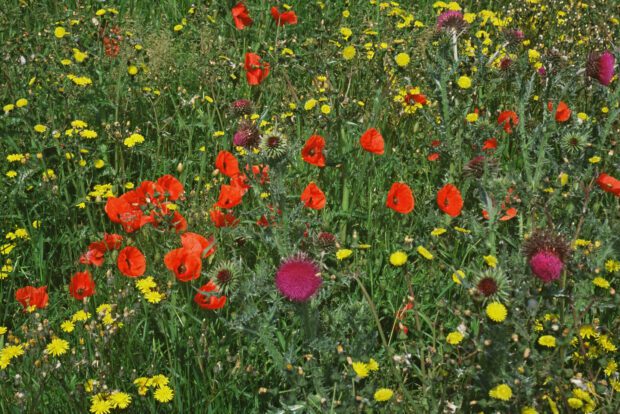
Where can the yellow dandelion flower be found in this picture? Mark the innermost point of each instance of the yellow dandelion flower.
(40, 128)
(496, 311)
(3, 330)
(164, 394)
(424, 253)
(60, 32)
(100, 406)
(57, 347)
(501, 392)
(402, 59)
(472, 117)
(154, 296)
(120, 400)
(438, 231)
(383, 394)
(67, 326)
(601, 282)
(464, 82)
(342, 254)
(348, 52)
(361, 369)
(454, 338)
(547, 341)
(398, 258)
(373, 365)
(490, 260)
(458, 276)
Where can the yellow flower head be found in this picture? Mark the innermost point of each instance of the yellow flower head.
(398, 258)
(454, 338)
(496, 312)
(501, 392)
(383, 394)
(547, 340)
(361, 369)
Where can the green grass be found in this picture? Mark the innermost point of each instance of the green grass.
(262, 353)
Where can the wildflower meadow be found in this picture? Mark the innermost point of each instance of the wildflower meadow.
(321, 206)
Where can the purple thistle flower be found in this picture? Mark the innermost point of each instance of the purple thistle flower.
(547, 252)
(451, 19)
(546, 266)
(247, 135)
(600, 66)
(298, 278)
(241, 107)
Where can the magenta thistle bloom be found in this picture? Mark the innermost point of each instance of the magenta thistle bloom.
(247, 135)
(298, 278)
(547, 266)
(547, 253)
(451, 20)
(241, 107)
(600, 66)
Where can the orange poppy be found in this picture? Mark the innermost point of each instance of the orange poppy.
(241, 16)
(207, 297)
(171, 187)
(119, 210)
(198, 244)
(219, 219)
(131, 262)
(490, 144)
(508, 119)
(313, 197)
(95, 254)
(230, 196)
(82, 285)
(372, 141)
(400, 198)
(184, 263)
(562, 114)
(449, 200)
(227, 164)
(255, 69)
(288, 17)
(609, 184)
(31, 296)
(112, 241)
(312, 152)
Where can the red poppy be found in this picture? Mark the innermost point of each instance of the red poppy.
(32, 298)
(241, 182)
(95, 254)
(313, 197)
(415, 98)
(219, 219)
(508, 119)
(489, 144)
(449, 200)
(241, 16)
(149, 192)
(172, 188)
(609, 184)
(206, 297)
(372, 141)
(312, 152)
(198, 244)
(255, 70)
(400, 198)
(82, 285)
(178, 222)
(562, 114)
(119, 210)
(184, 263)
(230, 196)
(112, 241)
(260, 170)
(227, 164)
(288, 17)
(131, 262)
(510, 214)
(433, 157)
